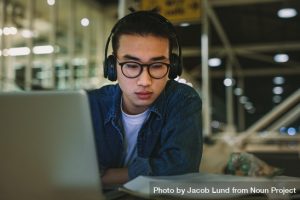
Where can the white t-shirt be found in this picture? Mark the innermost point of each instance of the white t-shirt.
(132, 125)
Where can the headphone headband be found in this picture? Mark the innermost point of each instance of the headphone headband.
(175, 60)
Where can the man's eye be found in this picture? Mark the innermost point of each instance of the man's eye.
(132, 65)
(157, 65)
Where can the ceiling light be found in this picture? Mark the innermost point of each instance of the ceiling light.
(9, 31)
(281, 58)
(228, 82)
(291, 131)
(276, 99)
(243, 99)
(27, 33)
(6, 31)
(248, 106)
(18, 51)
(85, 21)
(47, 49)
(51, 2)
(238, 91)
(5, 52)
(287, 12)
(277, 90)
(185, 24)
(215, 124)
(282, 130)
(278, 80)
(13, 30)
(214, 62)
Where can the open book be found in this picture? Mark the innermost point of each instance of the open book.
(212, 186)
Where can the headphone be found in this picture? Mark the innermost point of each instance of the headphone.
(109, 66)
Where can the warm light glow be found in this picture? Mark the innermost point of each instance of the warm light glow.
(18, 51)
(85, 21)
(13, 30)
(6, 31)
(5, 52)
(51, 2)
(47, 49)
(287, 13)
(23, 51)
(9, 31)
(27, 33)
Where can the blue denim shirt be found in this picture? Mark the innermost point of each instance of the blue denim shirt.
(170, 140)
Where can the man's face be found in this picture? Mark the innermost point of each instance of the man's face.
(140, 92)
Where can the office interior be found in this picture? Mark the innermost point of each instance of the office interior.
(242, 57)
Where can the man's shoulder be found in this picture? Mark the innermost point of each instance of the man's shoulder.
(180, 96)
(104, 91)
(106, 95)
(180, 90)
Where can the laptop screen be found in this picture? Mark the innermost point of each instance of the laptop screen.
(47, 148)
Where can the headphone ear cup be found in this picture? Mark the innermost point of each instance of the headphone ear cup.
(176, 68)
(109, 69)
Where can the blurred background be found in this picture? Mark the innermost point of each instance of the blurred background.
(242, 56)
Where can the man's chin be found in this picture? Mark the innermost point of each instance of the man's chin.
(144, 103)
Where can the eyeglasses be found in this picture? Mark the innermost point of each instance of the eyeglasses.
(133, 69)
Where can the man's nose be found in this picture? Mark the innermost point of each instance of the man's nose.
(144, 78)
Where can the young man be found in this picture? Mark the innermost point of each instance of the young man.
(146, 124)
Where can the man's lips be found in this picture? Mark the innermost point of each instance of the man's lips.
(144, 95)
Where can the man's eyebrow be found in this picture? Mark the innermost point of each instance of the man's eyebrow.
(130, 57)
(158, 58)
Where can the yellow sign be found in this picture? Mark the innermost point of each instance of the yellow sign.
(175, 10)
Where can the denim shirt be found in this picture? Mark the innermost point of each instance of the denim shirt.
(169, 141)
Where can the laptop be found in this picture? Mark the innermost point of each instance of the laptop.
(47, 148)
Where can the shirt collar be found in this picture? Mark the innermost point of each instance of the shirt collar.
(114, 109)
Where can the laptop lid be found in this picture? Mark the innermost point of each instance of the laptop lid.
(47, 148)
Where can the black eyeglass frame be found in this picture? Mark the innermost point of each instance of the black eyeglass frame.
(142, 65)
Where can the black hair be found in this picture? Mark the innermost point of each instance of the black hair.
(143, 23)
